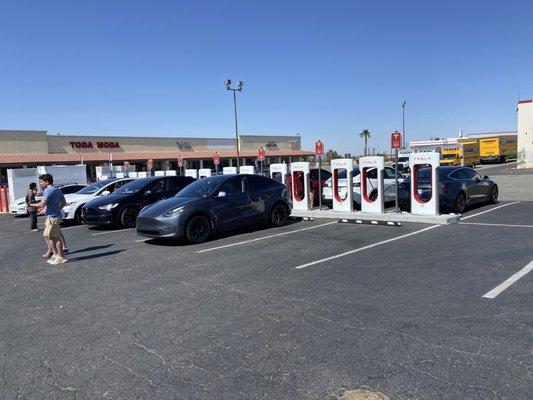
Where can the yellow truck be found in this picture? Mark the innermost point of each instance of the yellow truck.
(465, 152)
(497, 149)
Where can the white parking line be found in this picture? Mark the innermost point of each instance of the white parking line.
(115, 231)
(142, 240)
(486, 224)
(365, 247)
(266, 237)
(492, 209)
(512, 279)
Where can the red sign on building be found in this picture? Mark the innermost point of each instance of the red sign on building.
(261, 154)
(216, 158)
(396, 140)
(150, 165)
(126, 166)
(319, 148)
(180, 161)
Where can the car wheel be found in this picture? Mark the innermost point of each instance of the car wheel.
(279, 215)
(460, 203)
(493, 195)
(77, 216)
(128, 217)
(198, 229)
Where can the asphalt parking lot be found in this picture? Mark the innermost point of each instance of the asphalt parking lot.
(305, 311)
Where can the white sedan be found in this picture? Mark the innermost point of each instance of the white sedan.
(18, 207)
(388, 185)
(77, 200)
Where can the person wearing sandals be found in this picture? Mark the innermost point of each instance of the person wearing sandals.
(54, 201)
(32, 211)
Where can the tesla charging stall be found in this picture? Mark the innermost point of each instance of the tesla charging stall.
(342, 201)
(229, 170)
(372, 196)
(204, 172)
(424, 201)
(193, 173)
(300, 186)
(247, 169)
(279, 172)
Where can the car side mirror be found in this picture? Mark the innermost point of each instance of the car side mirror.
(221, 194)
(486, 177)
(106, 193)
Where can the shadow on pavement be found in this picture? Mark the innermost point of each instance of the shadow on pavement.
(91, 256)
(91, 248)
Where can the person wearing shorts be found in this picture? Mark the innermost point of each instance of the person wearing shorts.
(54, 201)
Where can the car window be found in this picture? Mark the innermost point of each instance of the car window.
(459, 174)
(157, 187)
(372, 174)
(232, 186)
(470, 173)
(390, 173)
(258, 183)
(71, 189)
(478, 176)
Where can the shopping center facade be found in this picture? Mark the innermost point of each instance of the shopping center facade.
(24, 148)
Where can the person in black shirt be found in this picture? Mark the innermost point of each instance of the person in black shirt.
(32, 211)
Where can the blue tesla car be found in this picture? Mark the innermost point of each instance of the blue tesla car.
(214, 204)
(459, 187)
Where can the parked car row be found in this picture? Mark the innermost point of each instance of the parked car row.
(18, 207)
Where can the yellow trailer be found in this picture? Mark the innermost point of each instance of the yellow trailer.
(497, 149)
(465, 152)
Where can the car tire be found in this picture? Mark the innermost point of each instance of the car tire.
(493, 196)
(198, 229)
(128, 217)
(77, 216)
(279, 215)
(460, 203)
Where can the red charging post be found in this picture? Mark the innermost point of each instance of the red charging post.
(261, 157)
(396, 143)
(216, 160)
(149, 166)
(319, 152)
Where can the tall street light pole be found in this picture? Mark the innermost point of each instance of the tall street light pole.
(234, 90)
(403, 123)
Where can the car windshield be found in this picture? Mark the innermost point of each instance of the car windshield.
(94, 187)
(133, 186)
(203, 187)
(403, 159)
(342, 173)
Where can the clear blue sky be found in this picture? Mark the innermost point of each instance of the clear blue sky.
(322, 69)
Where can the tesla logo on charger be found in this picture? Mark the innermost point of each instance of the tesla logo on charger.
(99, 145)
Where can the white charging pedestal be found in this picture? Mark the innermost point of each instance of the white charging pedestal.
(247, 169)
(279, 172)
(204, 173)
(300, 186)
(420, 203)
(229, 170)
(372, 196)
(342, 201)
(193, 173)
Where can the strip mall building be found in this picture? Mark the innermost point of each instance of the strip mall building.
(20, 149)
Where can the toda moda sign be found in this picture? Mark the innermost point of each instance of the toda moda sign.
(99, 145)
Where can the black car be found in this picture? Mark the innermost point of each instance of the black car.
(217, 203)
(123, 205)
(459, 187)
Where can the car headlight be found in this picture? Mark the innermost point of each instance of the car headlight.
(108, 207)
(69, 204)
(172, 213)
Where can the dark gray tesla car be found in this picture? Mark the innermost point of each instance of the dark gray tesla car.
(214, 204)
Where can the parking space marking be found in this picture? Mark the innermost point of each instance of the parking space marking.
(492, 209)
(115, 231)
(365, 247)
(142, 240)
(512, 279)
(266, 237)
(487, 224)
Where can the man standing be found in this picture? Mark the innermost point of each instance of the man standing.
(54, 201)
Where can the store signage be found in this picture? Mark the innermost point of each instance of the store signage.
(261, 154)
(184, 146)
(99, 145)
(396, 140)
(319, 148)
(272, 145)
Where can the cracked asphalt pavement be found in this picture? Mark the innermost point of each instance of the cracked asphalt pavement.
(131, 319)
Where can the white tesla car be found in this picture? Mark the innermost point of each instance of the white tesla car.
(18, 207)
(77, 200)
(388, 183)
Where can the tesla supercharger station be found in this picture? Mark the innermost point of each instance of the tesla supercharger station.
(421, 204)
(247, 169)
(279, 172)
(300, 186)
(372, 196)
(229, 170)
(342, 202)
(193, 173)
(204, 173)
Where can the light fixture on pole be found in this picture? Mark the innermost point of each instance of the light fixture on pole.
(403, 123)
(234, 90)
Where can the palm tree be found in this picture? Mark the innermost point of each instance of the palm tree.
(365, 134)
